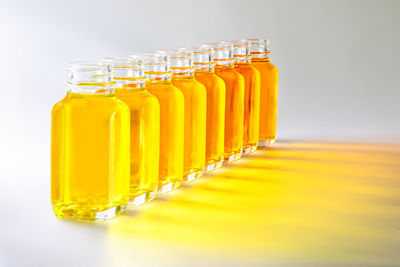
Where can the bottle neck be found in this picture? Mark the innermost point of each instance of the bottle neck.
(182, 72)
(92, 88)
(132, 83)
(204, 71)
(219, 67)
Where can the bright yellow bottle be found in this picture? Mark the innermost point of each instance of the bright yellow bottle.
(90, 146)
(195, 95)
(234, 100)
(145, 128)
(269, 91)
(204, 73)
(251, 75)
(171, 120)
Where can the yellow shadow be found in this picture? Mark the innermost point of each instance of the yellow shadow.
(297, 203)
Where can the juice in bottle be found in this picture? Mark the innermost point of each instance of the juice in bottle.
(172, 105)
(234, 100)
(90, 133)
(195, 95)
(204, 72)
(269, 90)
(241, 53)
(145, 128)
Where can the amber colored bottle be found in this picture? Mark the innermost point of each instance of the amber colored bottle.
(204, 73)
(269, 90)
(195, 112)
(241, 53)
(145, 128)
(234, 100)
(90, 131)
(172, 111)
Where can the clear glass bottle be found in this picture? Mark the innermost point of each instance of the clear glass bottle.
(241, 53)
(145, 128)
(157, 71)
(203, 62)
(269, 90)
(195, 112)
(90, 132)
(234, 100)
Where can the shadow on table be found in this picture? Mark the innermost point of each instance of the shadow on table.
(296, 199)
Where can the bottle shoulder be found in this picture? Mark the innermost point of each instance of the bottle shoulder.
(90, 102)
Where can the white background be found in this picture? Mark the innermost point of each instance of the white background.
(338, 62)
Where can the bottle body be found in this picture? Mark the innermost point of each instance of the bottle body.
(171, 134)
(269, 100)
(144, 143)
(251, 118)
(195, 96)
(234, 112)
(90, 156)
(215, 121)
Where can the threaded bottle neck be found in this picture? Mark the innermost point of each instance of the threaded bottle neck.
(90, 77)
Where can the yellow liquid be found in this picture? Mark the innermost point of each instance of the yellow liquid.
(145, 143)
(269, 99)
(195, 125)
(251, 106)
(234, 110)
(89, 156)
(171, 134)
(215, 117)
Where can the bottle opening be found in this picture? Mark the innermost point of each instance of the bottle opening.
(90, 77)
(223, 53)
(156, 66)
(181, 61)
(203, 57)
(129, 72)
(259, 48)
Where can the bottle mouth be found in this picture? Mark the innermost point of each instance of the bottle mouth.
(90, 77)
(129, 72)
(259, 48)
(241, 50)
(203, 57)
(223, 53)
(181, 61)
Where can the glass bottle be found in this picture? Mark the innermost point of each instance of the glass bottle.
(90, 146)
(157, 71)
(145, 128)
(241, 53)
(269, 90)
(215, 86)
(195, 112)
(234, 100)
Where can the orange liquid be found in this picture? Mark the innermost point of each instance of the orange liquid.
(251, 106)
(145, 139)
(234, 110)
(171, 134)
(215, 116)
(269, 98)
(195, 124)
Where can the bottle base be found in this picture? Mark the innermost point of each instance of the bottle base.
(72, 212)
(167, 187)
(267, 142)
(141, 199)
(232, 157)
(213, 166)
(249, 149)
(191, 176)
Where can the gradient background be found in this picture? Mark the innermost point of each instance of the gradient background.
(339, 82)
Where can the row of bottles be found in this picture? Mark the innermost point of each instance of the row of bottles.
(129, 129)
